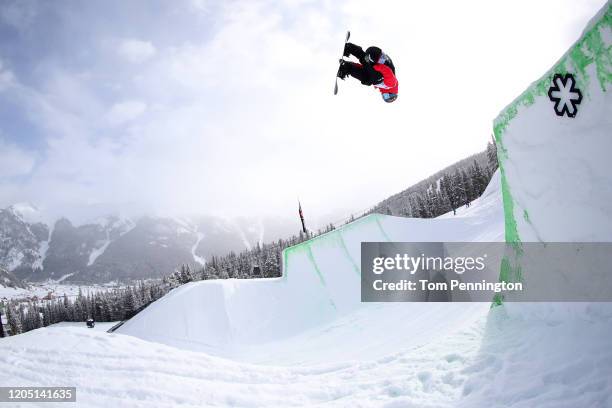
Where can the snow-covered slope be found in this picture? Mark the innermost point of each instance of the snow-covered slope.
(313, 340)
(378, 355)
(557, 186)
(111, 370)
(556, 176)
(320, 284)
(554, 163)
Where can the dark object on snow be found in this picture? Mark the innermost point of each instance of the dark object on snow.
(302, 217)
(1, 326)
(90, 323)
(256, 271)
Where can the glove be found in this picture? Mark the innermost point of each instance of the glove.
(350, 48)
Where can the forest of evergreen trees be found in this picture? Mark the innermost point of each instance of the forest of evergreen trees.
(108, 306)
(445, 191)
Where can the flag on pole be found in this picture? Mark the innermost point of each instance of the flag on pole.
(302, 217)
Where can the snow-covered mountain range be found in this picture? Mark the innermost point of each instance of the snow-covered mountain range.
(115, 248)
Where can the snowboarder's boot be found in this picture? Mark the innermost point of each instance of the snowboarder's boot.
(347, 49)
(343, 69)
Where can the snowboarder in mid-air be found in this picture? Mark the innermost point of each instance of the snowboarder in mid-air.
(374, 68)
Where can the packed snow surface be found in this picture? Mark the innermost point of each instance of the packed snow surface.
(113, 370)
(372, 355)
(558, 184)
(304, 339)
(99, 326)
(280, 321)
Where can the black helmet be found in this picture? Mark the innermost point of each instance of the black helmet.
(372, 55)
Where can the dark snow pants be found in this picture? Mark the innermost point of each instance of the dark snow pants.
(365, 73)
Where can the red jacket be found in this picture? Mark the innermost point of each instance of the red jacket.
(389, 83)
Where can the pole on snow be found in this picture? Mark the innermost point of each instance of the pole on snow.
(302, 217)
(1, 326)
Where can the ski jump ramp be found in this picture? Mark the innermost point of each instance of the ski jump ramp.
(317, 299)
(554, 154)
(553, 145)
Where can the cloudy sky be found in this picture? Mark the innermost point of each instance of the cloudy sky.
(226, 107)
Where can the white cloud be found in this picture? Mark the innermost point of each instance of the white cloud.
(14, 161)
(125, 111)
(6, 77)
(18, 14)
(243, 120)
(136, 51)
(200, 5)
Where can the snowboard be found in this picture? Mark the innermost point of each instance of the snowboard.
(348, 35)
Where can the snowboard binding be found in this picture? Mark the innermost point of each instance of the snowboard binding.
(343, 69)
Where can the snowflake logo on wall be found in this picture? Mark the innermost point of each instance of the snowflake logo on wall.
(565, 95)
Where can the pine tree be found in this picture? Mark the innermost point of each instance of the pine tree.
(33, 318)
(145, 293)
(107, 310)
(46, 315)
(479, 180)
(67, 314)
(492, 163)
(184, 275)
(447, 188)
(1, 324)
(421, 207)
(128, 304)
(459, 193)
(432, 202)
(80, 306)
(468, 186)
(445, 204)
(14, 320)
(271, 267)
